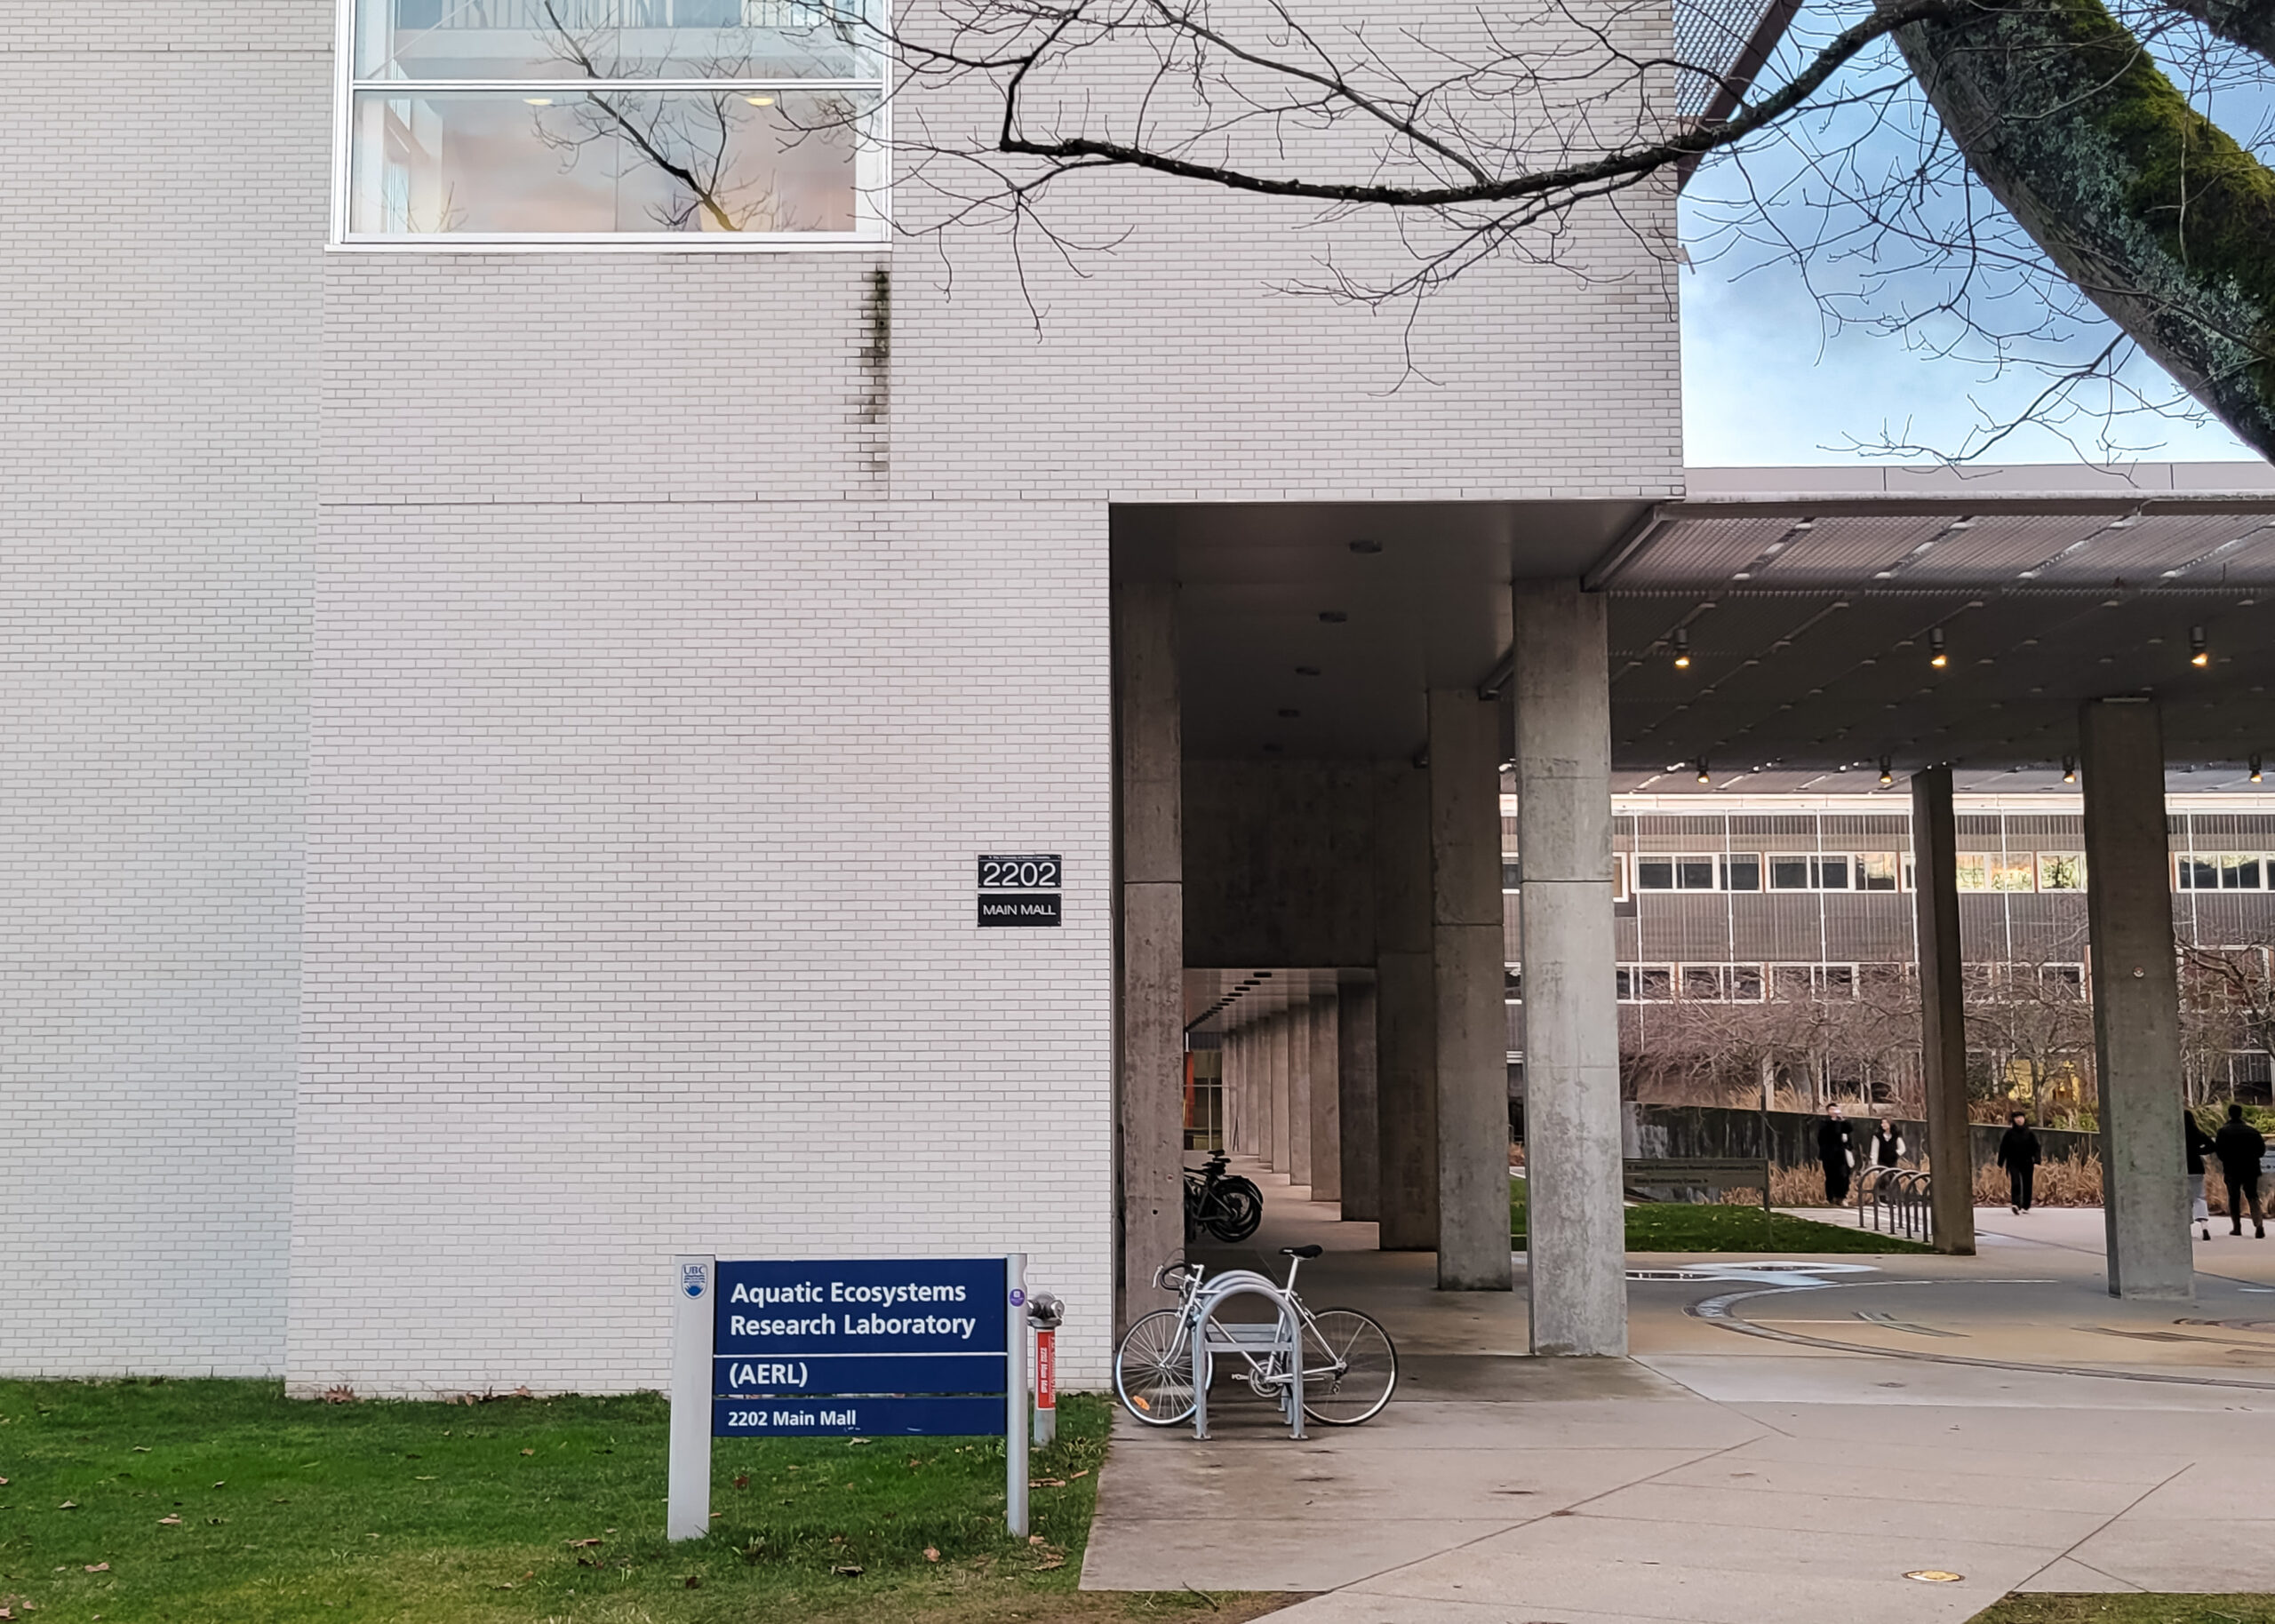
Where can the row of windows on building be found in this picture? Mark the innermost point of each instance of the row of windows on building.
(1756, 984)
(2008, 871)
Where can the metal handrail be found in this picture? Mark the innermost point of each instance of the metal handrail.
(1898, 1200)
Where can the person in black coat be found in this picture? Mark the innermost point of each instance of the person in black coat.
(2200, 1145)
(1836, 1152)
(2019, 1155)
(1887, 1145)
(2239, 1146)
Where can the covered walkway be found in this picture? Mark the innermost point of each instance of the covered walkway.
(1786, 1443)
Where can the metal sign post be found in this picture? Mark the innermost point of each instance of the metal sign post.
(865, 1347)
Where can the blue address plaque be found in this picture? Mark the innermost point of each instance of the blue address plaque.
(867, 1418)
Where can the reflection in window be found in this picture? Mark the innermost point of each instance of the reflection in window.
(1742, 873)
(1655, 983)
(2197, 874)
(2061, 871)
(1876, 872)
(2013, 874)
(1745, 983)
(1789, 873)
(1703, 982)
(2239, 873)
(673, 119)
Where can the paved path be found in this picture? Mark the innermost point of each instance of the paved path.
(1791, 1454)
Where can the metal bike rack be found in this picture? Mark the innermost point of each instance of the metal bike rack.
(1898, 1200)
(1282, 1334)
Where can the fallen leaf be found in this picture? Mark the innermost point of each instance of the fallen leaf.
(1050, 1483)
(1034, 1538)
(855, 1443)
(69, 1505)
(224, 1483)
(694, 1582)
(931, 1553)
(1054, 1560)
(1083, 1473)
(141, 1449)
(428, 1479)
(529, 1452)
(507, 1586)
(742, 1480)
(99, 1567)
(169, 1522)
(583, 1544)
(849, 1570)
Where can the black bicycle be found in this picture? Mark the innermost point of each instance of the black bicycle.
(1225, 1204)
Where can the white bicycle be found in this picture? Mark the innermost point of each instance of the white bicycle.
(1349, 1367)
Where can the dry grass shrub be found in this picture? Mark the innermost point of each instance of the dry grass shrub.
(2074, 1181)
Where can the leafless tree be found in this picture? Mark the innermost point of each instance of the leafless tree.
(2034, 182)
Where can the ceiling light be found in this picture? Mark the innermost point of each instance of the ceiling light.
(539, 101)
(2255, 769)
(1887, 777)
(1681, 649)
(1290, 715)
(2069, 770)
(1307, 671)
(759, 101)
(1334, 618)
(2199, 655)
(1704, 776)
(1936, 656)
(1367, 548)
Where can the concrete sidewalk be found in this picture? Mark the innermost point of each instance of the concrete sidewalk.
(1786, 1444)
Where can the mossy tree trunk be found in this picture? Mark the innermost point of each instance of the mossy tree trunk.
(2158, 214)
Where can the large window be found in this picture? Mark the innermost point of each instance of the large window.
(707, 124)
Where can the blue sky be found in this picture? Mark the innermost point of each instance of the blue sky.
(1771, 378)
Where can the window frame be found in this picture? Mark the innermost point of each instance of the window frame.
(877, 204)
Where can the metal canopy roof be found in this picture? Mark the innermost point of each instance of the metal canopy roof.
(1810, 598)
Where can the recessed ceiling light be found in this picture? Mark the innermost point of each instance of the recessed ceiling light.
(1307, 671)
(1367, 547)
(759, 101)
(1290, 715)
(1334, 618)
(539, 101)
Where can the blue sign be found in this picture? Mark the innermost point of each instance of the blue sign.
(912, 1348)
(835, 1374)
(916, 1305)
(856, 1417)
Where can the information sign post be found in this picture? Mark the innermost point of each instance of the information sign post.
(860, 1348)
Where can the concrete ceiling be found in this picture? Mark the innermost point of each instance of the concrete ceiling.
(1808, 597)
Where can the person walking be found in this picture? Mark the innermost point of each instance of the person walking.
(2019, 1155)
(1887, 1145)
(1836, 1152)
(2239, 1146)
(2200, 1144)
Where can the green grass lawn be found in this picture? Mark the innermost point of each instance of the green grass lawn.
(2131, 1610)
(224, 1500)
(1675, 1226)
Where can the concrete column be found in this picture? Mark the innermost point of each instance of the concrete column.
(1326, 1101)
(1149, 1005)
(1359, 1130)
(1406, 1016)
(1575, 1226)
(1278, 1034)
(2136, 1000)
(1299, 1091)
(1942, 1010)
(1232, 1090)
(1473, 1014)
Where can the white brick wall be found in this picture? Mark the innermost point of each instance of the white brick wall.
(661, 665)
(640, 905)
(161, 217)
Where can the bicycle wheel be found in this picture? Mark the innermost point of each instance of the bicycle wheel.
(1153, 1370)
(1349, 1369)
(1238, 1196)
(1235, 1216)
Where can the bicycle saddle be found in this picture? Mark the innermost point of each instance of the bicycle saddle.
(1302, 1252)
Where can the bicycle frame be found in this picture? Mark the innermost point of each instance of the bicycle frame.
(1199, 1296)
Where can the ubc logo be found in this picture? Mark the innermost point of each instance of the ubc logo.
(693, 1277)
